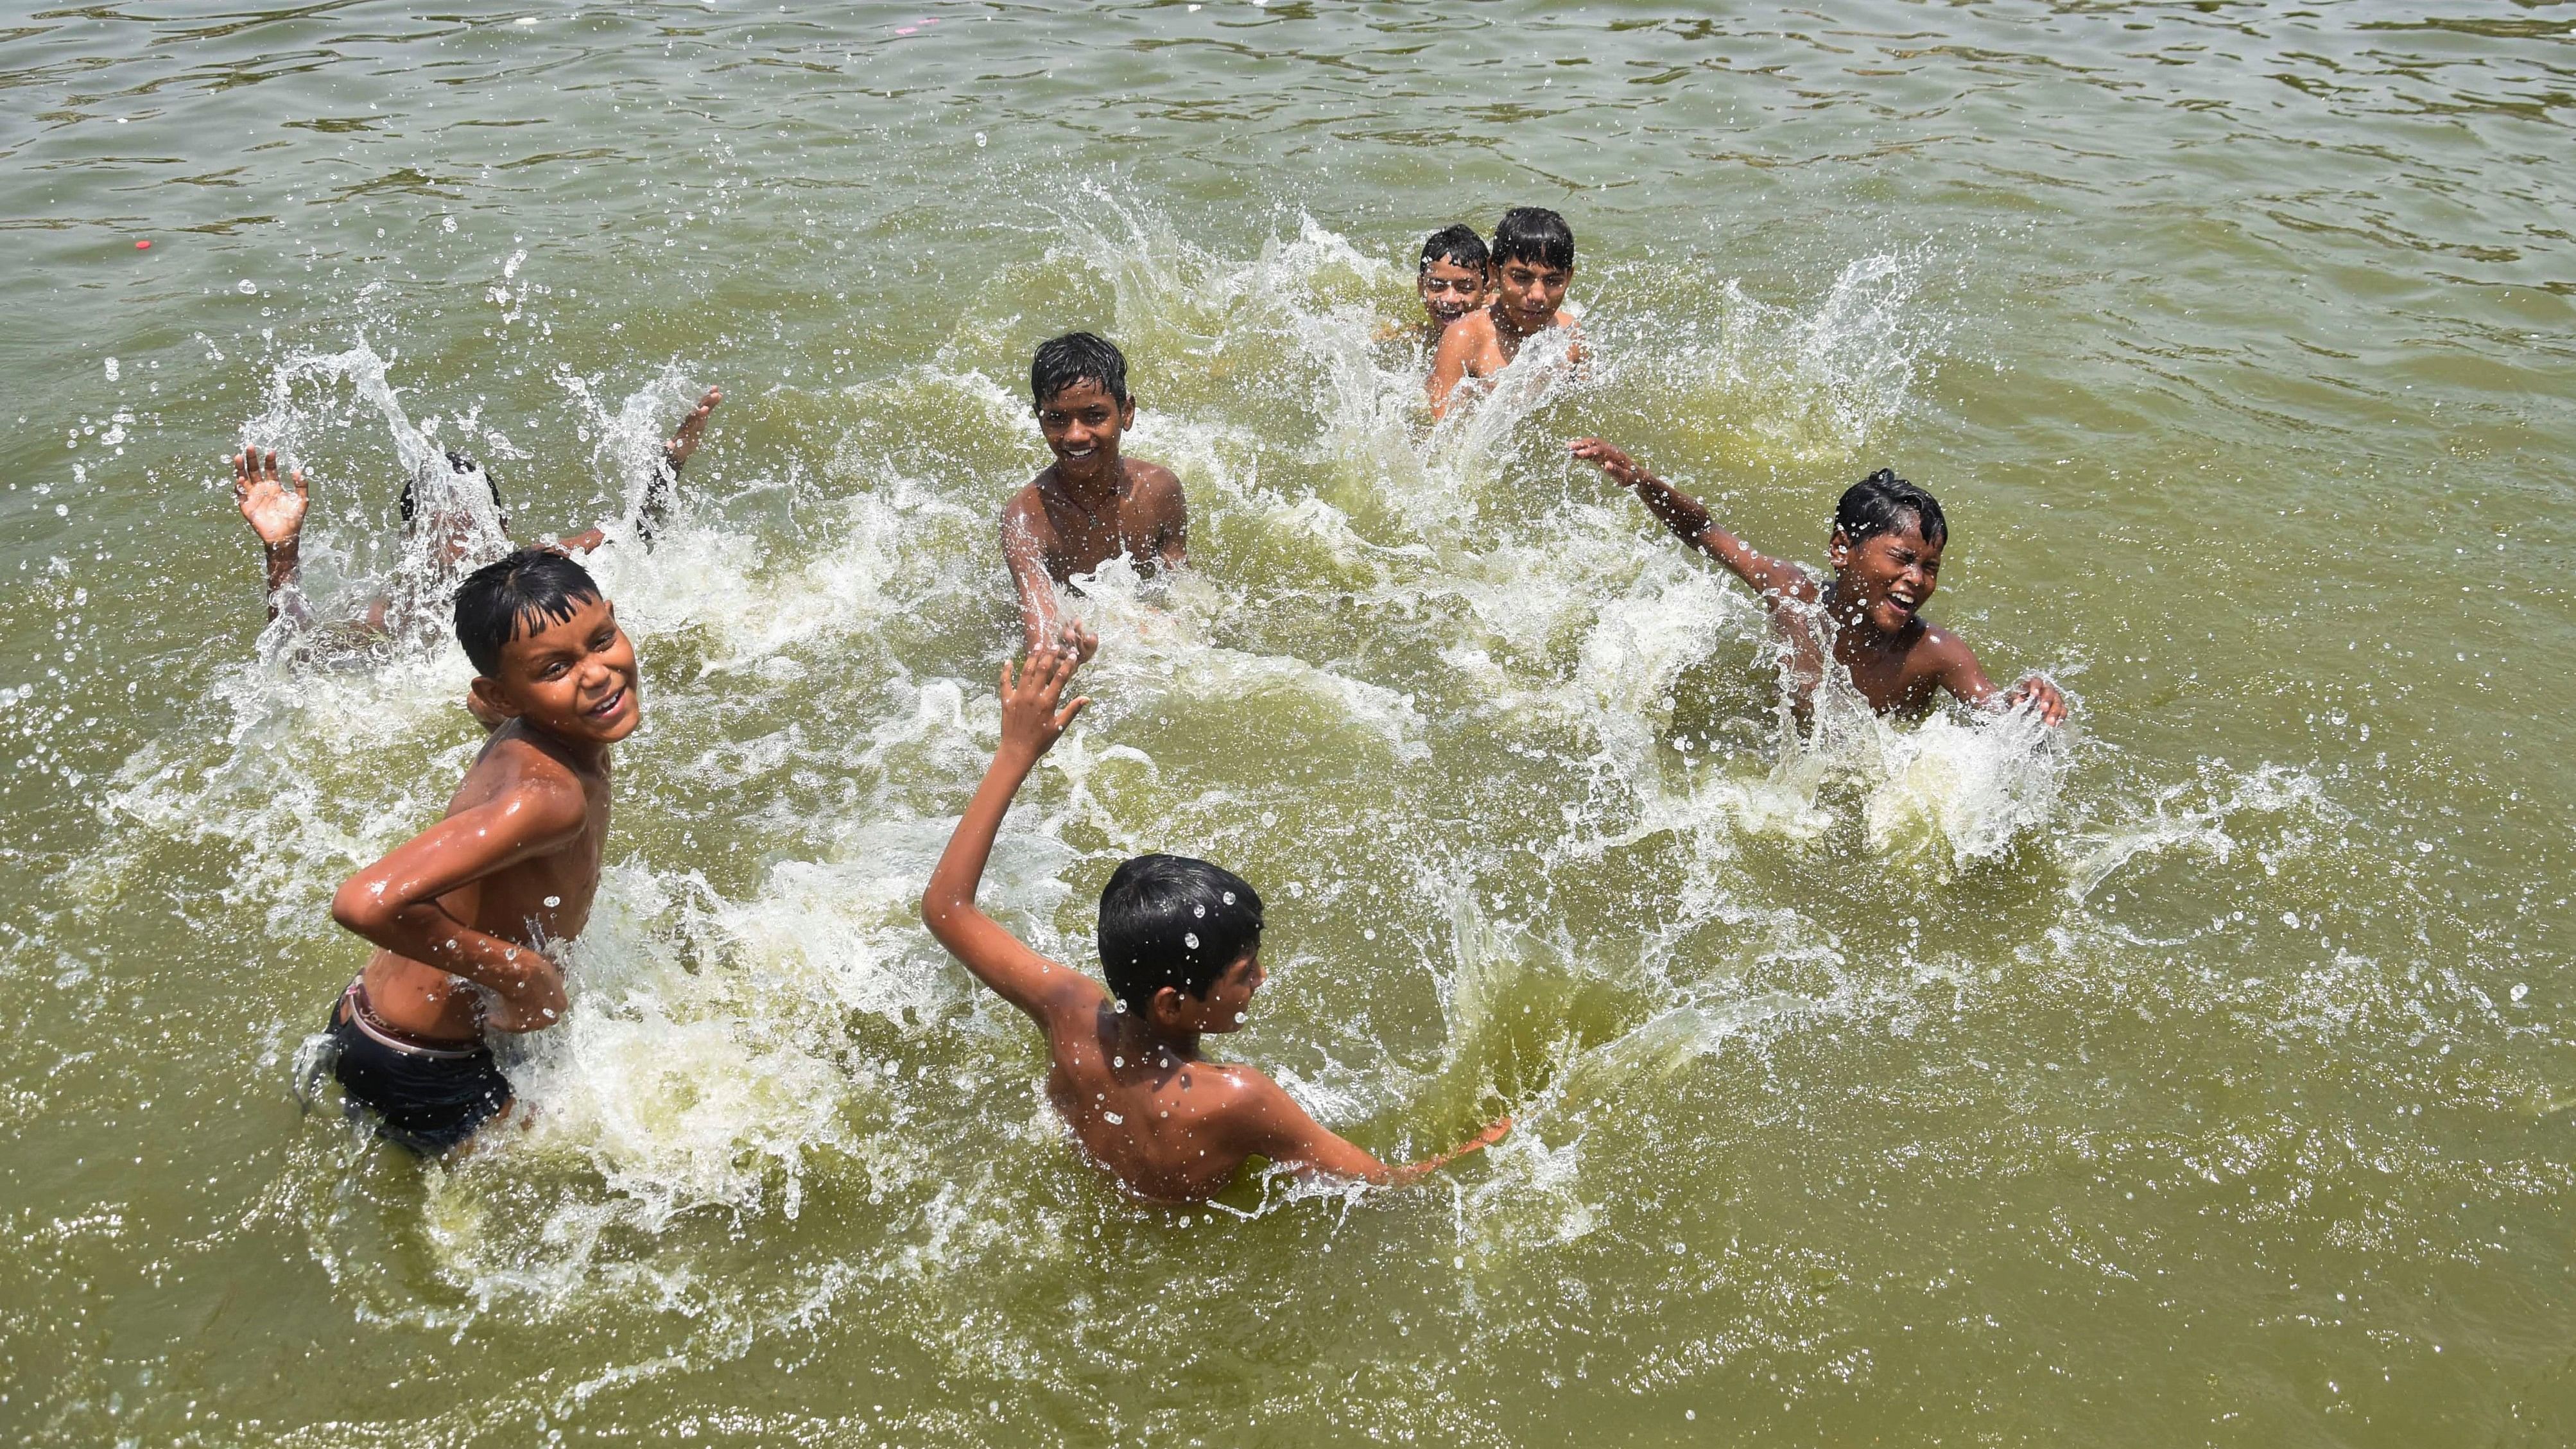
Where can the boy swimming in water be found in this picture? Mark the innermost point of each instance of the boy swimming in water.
(1532, 265)
(274, 507)
(1180, 941)
(1452, 281)
(1090, 505)
(463, 916)
(1886, 551)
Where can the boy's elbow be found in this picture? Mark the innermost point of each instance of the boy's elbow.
(359, 907)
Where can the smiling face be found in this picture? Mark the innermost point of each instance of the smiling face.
(573, 679)
(1885, 580)
(1529, 292)
(1449, 290)
(1082, 423)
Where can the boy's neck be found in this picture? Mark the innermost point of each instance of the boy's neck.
(1509, 326)
(582, 756)
(1094, 492)
(1146, 1041)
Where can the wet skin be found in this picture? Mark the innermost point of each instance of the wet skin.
(1449, 292)
(1528, 298)
(478, 898)
(1131, 1085)
(1090, 506)
(1897, 661)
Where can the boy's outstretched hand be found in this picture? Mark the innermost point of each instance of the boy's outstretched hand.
(2040, 694)
(275, 509)
(1031, 722)
(693, 429)
(1621, 468)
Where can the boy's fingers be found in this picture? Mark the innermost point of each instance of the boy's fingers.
(1066, 716)
(297, 478)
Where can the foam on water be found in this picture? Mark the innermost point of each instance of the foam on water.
(1389, 615)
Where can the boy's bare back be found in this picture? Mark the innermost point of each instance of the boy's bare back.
(1128, 1077)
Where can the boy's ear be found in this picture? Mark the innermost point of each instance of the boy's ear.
(487, 699)
(1127, 414)
(1167, 1008)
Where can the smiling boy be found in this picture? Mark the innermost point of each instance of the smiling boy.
(1091, 505)
(1886, 552)
(464, 915)
(1452, 280)
(1180, 941)
(1532, 265)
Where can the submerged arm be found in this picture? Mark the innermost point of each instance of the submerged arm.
(1772, 578)
(1277, 1128)
(1031, 723)
(395, 902)
(1042, 621)
(1966, 680)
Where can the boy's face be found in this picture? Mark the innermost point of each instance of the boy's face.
(1449, 290)
(1082, 423)
(1531, 291)
(1885, 580)
(574, 680)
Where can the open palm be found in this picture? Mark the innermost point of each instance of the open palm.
(275, 509)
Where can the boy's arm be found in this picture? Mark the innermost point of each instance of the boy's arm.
(1171, 522)
(1031, 723)
(1449, 362)
(1273, 1125)
(1772, 578)
(666, 476)
(275, 512)
(1041, 625)
(395, 902)
(1966, 679)
(656, 508)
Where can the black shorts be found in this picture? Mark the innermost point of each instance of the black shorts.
(427, 1100)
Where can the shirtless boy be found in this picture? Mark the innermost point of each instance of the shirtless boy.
(1452, 279)
(274, 508)
(1886, 552)
(463, 917)
(1533, 264)
(1180, 941)
(1090, 505)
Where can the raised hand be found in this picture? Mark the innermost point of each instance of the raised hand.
(1622, 469)
(1081, 641)
(693, 429)
(1031, 722)
(2040, 694)
(275, 510)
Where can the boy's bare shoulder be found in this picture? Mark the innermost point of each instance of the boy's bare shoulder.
(542, 790)
(1152, 482)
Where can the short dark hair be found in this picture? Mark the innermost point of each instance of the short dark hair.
(1458, 243)
(500, 599)
(1077, 357)
(1534, 233)
(1168, 920)
(1882, 503)
(456, 462)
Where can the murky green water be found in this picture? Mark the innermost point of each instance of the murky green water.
(2201, 1076)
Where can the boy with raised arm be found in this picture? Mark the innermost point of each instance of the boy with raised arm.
(1886, 552)
(1090, 505)
(274, 507)
(464, 915)
(1532, 265)
(1180, 941)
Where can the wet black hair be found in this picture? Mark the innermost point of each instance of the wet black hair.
(462, 464)
(529, 589)
(1455, 243)
(1534, 233)
(1077, 357)
(1882, 503)
(1169, 920)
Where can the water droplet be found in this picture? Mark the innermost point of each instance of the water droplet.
(111, 369)
(553, 901)
(1190, 939)
(1229, 898)
(1113, 1119)
(246, 287)
(2520, 990)
(1199, 910)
